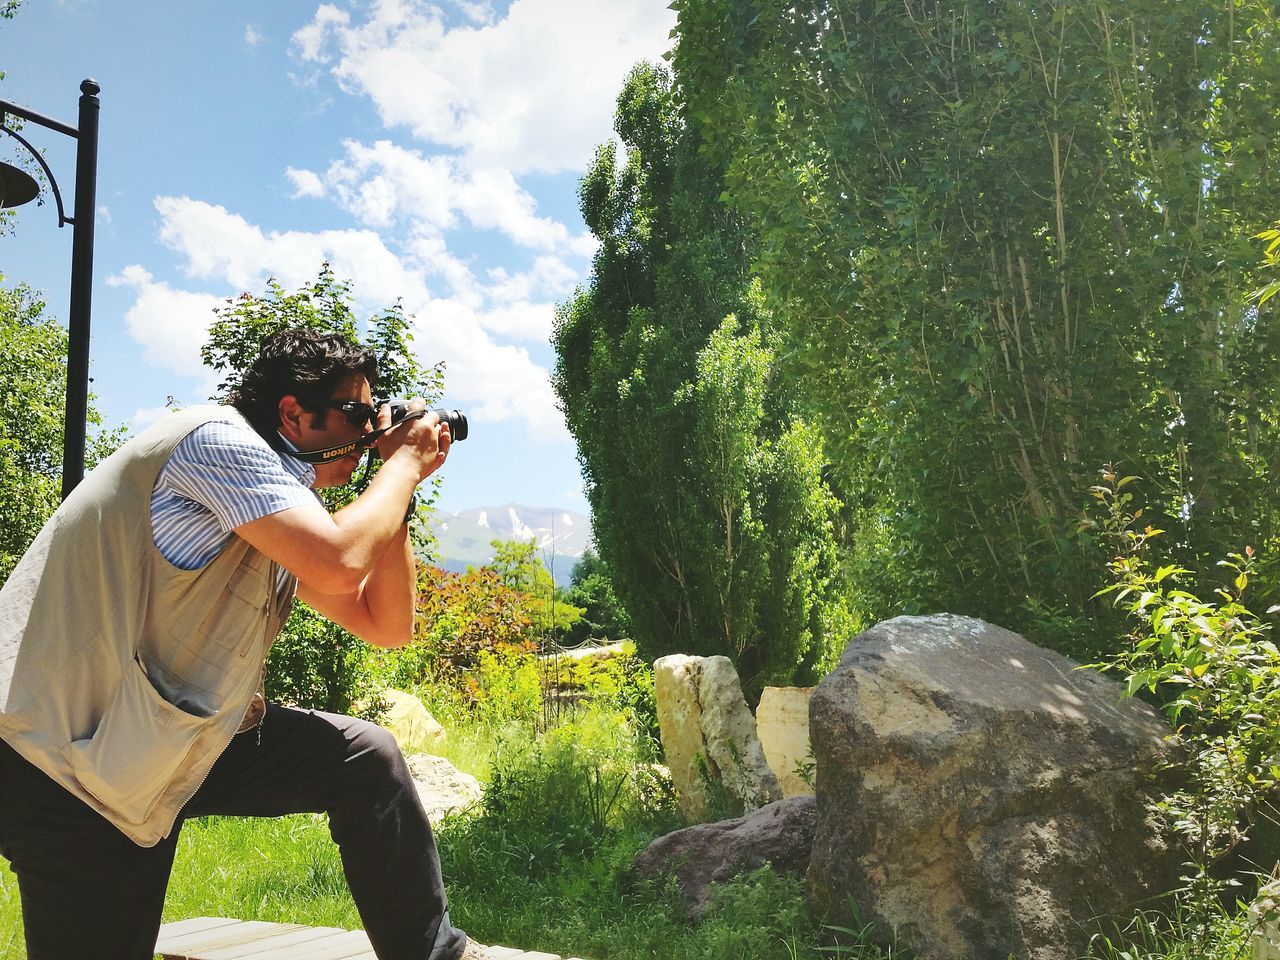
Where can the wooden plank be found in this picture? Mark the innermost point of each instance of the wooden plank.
(225, 938)
(176, 944)
(264, 941)
(279, 944)
(179, 928)
(346, 945)
(246, 931)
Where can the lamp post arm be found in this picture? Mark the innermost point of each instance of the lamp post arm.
(53, 183)
(18, 111)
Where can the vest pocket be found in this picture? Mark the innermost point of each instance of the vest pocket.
(141, 742)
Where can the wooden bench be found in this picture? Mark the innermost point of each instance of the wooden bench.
(223, 938)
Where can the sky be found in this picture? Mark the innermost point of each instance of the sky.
(430, 152)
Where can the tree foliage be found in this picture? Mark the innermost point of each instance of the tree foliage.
(603, 618)
(706, 497)
(33, 369)
(315, 663)
(1009, 242)
(518, 566)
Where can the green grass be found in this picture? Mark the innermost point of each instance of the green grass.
(10, 916)
(282, 870)
(543, 863)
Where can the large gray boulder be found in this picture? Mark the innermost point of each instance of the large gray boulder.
(780, 834)
(979, 796)
(709, 735)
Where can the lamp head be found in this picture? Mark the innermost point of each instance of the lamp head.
(16, 186)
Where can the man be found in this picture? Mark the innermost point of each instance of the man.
(133, 634)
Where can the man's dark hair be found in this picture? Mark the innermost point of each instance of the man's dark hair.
(310, 364)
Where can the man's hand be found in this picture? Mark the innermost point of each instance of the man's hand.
(423, 441)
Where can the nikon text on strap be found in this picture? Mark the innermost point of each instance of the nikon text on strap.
(362, 443)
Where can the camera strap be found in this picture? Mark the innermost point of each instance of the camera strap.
(364, 442)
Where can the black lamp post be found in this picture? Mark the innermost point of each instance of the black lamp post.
(17, 187)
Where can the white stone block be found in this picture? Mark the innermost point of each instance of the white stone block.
(706, 725)
(782, 722)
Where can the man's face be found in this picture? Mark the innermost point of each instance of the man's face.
(332, 426)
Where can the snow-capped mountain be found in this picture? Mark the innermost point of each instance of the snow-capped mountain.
(562, 536)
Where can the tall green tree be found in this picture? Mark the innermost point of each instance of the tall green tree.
(706, 494)
(603, 618)
(315, 663)
(1008, 242)
(33, 369)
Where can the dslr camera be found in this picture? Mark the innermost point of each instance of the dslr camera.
(456, 419)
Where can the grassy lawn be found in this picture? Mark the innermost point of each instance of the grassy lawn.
(543, 864)
(287, 871)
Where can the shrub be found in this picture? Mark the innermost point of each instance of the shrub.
(316, 664)
(460, 616)
(1215, 672)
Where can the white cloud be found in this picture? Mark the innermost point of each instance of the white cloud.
(311, 38)
(533, 91)
(305, 183)
(171, 325)
(145, 416)
(521, 321)
(492, 381)
(549, 276)
(218, 244)
(497, 380)
(252, 35)
(384, 182)
(476, 12)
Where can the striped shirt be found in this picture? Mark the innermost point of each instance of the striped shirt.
(221, 475)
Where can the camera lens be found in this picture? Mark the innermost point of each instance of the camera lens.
(457, 421)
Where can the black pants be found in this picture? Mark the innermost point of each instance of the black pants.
(88, 891)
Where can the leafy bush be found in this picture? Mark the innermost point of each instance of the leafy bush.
(459, 617)
(505, 687)
(1212, 667)
(316, 664)
(622, 682)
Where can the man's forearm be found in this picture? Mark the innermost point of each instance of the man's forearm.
(390, 593)
(372, 524)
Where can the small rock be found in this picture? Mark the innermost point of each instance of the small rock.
(409, 721)
(780, 834)
(441, 785)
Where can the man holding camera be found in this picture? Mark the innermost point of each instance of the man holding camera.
(133, 635)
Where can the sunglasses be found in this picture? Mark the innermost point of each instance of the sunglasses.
(357, 413)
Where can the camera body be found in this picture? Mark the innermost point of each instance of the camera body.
(456, 419)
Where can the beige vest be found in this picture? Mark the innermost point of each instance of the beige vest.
(122, 677)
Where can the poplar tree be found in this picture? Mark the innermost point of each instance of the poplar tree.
(1008, 242)
(707, 500)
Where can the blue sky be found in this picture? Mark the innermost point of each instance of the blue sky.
(430, 152)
